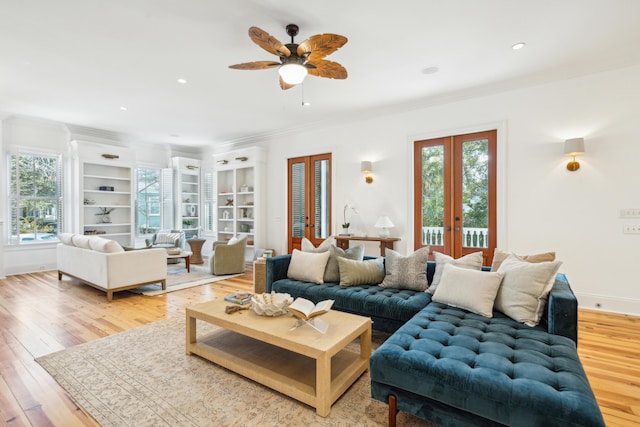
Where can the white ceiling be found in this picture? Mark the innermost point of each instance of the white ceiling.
(79, 61)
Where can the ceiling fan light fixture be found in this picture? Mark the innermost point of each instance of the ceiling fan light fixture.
(292, 74)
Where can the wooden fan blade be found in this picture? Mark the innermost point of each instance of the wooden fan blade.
(257, 65)
(321, 45)
(328, 69)
(268, 42)
(284, 85)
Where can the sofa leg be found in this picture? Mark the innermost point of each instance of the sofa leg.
(59, 275)
(393, 410)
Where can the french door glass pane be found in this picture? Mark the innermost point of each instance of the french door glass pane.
(321, 228)
(433, 195)
(475, 193)
(298, 197)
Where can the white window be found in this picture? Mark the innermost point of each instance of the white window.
(35, 197)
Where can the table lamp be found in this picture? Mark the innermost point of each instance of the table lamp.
(384, 224)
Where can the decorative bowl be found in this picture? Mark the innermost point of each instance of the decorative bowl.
(173, 251)
(272, 304)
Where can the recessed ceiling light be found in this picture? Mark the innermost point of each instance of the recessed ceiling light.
(430, 70)
(182, 81)
(123, 108)
(518, 46)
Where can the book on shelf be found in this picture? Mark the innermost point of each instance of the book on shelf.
(242, 298)
(305, 309)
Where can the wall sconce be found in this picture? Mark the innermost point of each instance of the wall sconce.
(110, 156)
(223, 162)
(573, 147)
(366, 168)
(242, 159)
(384, 224)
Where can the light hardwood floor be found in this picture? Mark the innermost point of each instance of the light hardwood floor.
(39, 315)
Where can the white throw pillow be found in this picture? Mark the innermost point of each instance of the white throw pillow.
(81, 241)
(471, 261)
(105, 245)
(525, 288)
(499, 256)
(468, 289)
(307, 246)
(406, 272)
(233, 240)
(66, 238)
(307, 266)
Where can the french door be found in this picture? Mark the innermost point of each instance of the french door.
(455, 194)
(309, 195)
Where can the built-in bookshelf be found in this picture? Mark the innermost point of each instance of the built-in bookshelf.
(107, 202)
(238, 180)
(187, 195)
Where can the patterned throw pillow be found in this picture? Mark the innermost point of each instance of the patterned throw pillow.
(167, 238)
(406, 272)
(471, 261)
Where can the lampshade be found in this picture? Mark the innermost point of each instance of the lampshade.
(292, 74)
(384, 224)
(574, 146)
(366, 167)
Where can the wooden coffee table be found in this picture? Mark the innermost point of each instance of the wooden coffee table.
(304, 364)
(184, 254)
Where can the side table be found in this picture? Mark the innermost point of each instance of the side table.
(259, 276)
(196, 248)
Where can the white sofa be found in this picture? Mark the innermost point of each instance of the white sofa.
(105, 265)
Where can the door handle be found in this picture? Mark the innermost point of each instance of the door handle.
(447, 228)
(457, 229)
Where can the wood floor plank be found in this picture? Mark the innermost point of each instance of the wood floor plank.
(40, 315)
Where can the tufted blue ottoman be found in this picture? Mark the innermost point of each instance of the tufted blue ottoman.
(455, 368)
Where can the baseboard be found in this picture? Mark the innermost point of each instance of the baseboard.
(28, 268)
(609, 304)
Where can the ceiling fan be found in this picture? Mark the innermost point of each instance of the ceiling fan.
(297, 60)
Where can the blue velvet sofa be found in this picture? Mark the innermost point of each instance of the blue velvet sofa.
(455, 368)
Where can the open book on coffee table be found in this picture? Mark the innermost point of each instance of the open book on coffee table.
(305, 309)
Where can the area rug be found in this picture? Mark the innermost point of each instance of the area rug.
(178, 278)
(142, 377)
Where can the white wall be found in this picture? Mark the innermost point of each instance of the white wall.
(542, 205)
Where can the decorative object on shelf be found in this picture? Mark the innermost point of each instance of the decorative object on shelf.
(106, 188)
(187, 200)
(346, 224)
(104, 212)
(573, 147)
(187, 223)
(244, 188)
(192, 210)
(110, 156)
(89, 202)
(225, 214)
(229, 202)
(384, 224)
(273, 304)
(366, 168)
